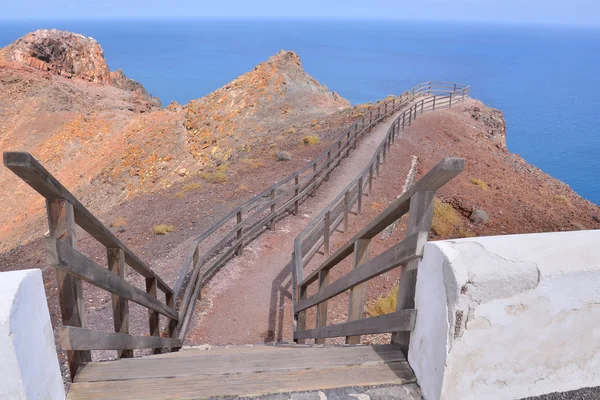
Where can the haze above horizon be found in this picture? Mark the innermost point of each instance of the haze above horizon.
(574, 12)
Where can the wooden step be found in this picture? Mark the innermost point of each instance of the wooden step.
(219, 364)
(250, 384)
(242, 371)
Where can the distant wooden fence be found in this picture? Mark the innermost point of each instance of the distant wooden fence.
(229, 236)
(64, 213)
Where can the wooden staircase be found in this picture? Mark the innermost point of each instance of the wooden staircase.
(242, 371)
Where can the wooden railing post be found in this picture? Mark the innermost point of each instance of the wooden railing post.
(240, 230)
(360, 193)
(370, 179)
(153, 316)
(384, 152)
(356, 306)
(450, 102)
(296, 192)
(403, 119)
(377, 163)
(419, 220)
(322, 307)
(346, 210)
(314, 179)
(116, 264)
(328, 164)
(272, 220)
(422, 105)
(463, 95)
(171, 329)
(433, 103)
(61, 223)
(326, 232)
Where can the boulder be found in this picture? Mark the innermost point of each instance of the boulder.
(479, 217)
(283, 156)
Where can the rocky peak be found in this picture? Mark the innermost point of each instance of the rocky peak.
(70, 55)
(63, 53)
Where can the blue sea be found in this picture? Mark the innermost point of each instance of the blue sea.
(545, 78)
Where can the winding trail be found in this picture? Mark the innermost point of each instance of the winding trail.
(249, 300)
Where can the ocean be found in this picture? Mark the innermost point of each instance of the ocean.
(546, 79)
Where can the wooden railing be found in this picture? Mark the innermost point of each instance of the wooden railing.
(417, 201)
(64, 213)
(316, 237)
(226, 238)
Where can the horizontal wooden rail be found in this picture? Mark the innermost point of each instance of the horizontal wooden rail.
(71, 338)
(75, 263)
(405, 251)
(441, 174)
(26, 167)
(398, 321)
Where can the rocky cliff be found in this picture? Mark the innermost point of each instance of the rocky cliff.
(69, 55)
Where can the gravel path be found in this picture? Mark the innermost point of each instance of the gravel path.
(244, 303)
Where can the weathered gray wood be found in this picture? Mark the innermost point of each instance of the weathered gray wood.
(322, 307)
(116, 265)
(346, 210)
(78, 265)
(370, 179)
(185, 318)
(61, 223)
(296, 203)
(239, 233)
(301, 318)
(397, 321)
(360, 194)
(326, 232)
(35, 175)
(270, 225)
(72, 338)
(153, 317)
(419, 219)
(269, 358)
(172, 326)
(439, 175)
(356, 301)
(244, 385)
(401, 253)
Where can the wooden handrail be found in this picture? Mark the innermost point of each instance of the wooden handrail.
(72, 267)
(26, 167)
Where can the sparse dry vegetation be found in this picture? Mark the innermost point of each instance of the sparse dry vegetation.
(119, 222)
(191, 186)
(251, 163)
(564, 199)
(291, 131)
(180, 194)
(214, 177)
(162, 229)
(465, 233)
(445, 218)
(310, 140)
(384, 304)
(480, 183)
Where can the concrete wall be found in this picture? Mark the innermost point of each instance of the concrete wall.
(28, 362)
(508, 317)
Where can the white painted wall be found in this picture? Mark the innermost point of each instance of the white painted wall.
(28, 362)
(508, 317)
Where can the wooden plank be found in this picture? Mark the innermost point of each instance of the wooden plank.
(239, 233)
(238, 363)
(420, 217)
(346, 210)
(322, 307)
(116, 265)
(403, 252)
(251, 384)
(35, 175)
(438, 176)
(403, 320)
(153, 317)
(185, 318)
(78, 265)
(327, 232)
(61, 223)
(72, 338)
(356, 304)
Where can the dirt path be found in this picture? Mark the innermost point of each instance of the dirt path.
(244, 302)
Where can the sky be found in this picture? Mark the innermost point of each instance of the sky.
(572, 12)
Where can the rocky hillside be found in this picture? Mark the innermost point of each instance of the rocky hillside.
(107, 140)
